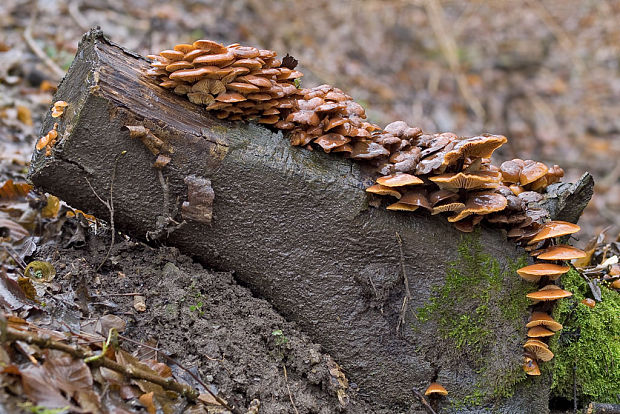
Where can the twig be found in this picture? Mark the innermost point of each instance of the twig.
(116, 294)
(407, 298)
(575, 387)
(109, 205)
(424, 402)
(223, 403)
(11, 335)
(16, 259)
(290, 395)
(27, 35)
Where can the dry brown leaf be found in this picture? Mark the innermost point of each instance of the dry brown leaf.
(51, 208)
(147, 402)
(24, 115)
(12, 191)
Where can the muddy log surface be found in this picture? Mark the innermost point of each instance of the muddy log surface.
(294, 225)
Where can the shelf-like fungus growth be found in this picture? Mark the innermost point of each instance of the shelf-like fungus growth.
(455, 173)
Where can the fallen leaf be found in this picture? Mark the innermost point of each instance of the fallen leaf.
(24, 115)
(12, 191)
(40, 271)
(147, 402)
(51, 208)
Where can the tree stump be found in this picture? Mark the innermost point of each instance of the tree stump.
(296, 227)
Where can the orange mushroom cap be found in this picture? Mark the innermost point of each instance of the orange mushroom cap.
(436, 388)
(539, 332)
(530, 366)
(382, 190)
(543, 319)
(561, 252)
(484, 202)
(397, 180)
(480, 179)
(554, 229)
(549, 292)
(534, 272)
(532, 171)
(398, 206)
(539, 349)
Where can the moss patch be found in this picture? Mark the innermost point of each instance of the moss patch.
(479, 297)
(589, 342)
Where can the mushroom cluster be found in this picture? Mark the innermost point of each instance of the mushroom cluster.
(235, 82)
(442, 173)
(552, 264)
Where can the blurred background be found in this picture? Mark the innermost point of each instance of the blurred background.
(545, 73)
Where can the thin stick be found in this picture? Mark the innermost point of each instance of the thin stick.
(27, 35)
(290, 395)
(116, 294)
(424, 402)
(11, 335)
(575, 387)
(109, 205)
(407, 298)
(16, 259)
(223, 403)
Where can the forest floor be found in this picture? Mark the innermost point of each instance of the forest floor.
(544, 73)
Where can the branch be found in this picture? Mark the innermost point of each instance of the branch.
(8, 334)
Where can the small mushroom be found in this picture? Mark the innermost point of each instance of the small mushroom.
(554, 229)
(210, 46)
(331, 141)
(448, 207)
(530, 366)
(484, 202)
(539, 332)
(214, 60)
(398, 206)
(561, 252)
(590, 303)
(230, 97)
(511, 170)
(435, 388)
(543, 319)
(532, 171)
(416, 198)
(398, 180)
(382, 190)
(476, 180)
(441, 195)
(172, 55)
(539, 349)
(549, 292)
(534, 272)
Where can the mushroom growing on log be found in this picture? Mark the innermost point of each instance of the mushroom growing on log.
(294, 224)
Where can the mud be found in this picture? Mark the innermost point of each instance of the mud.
(206, 321)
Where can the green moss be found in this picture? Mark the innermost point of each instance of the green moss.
(588, 348)
(478, 296)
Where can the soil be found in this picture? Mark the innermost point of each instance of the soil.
(200, 317)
